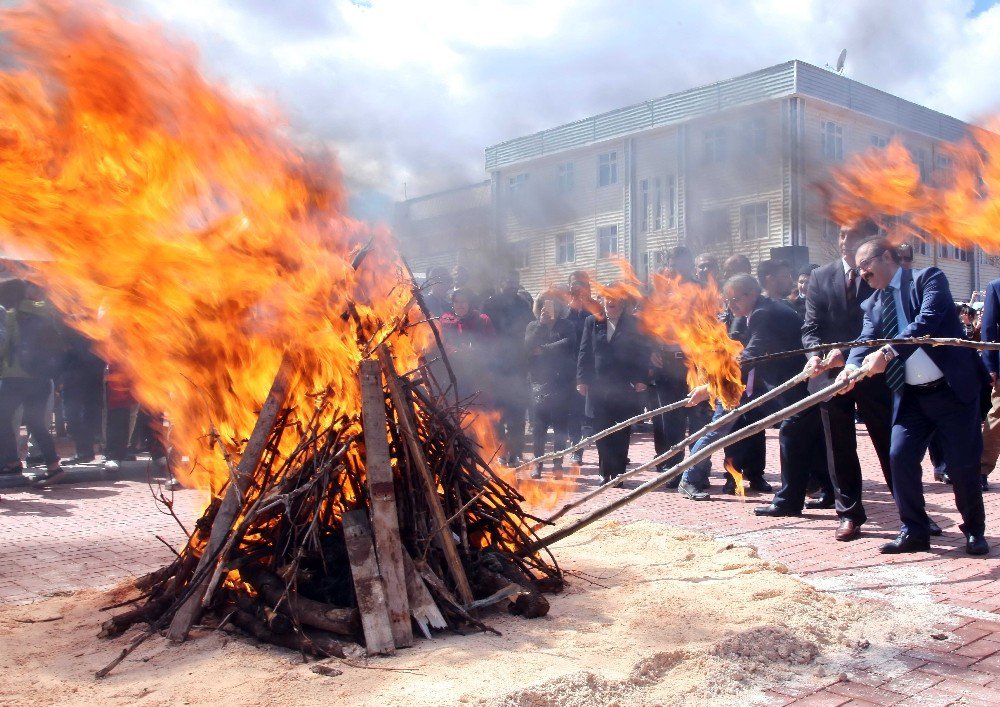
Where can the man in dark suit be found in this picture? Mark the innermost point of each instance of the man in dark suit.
(935, 390)
(771, 327)
(833, 314)
(611, 373)
(991, 427)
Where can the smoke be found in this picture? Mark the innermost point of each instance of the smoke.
(411, 93)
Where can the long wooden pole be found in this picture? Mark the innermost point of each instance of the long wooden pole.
(704, 453)
(682, 445)
(919, 341)
(584, 443)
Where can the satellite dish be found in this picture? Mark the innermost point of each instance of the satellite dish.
(840, 61)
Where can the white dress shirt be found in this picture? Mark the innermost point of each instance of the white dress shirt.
(920, 368)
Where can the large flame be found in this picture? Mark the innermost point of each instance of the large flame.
(955, 200)
(183, 233)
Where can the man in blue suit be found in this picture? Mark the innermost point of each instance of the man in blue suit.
(991, 427)
(935, 390)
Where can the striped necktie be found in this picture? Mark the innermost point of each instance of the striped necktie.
(895, 371)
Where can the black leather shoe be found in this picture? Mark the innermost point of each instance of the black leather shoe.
(760, 485)
(984, 483)
(730, 486)
(976, 545)
(935, 529)
(774, 511)
(905, 542)
(821, 502)
(673, 483)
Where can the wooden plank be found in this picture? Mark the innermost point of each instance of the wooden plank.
(368, 584)
(422, 607)
(382, 492)
(404, 411)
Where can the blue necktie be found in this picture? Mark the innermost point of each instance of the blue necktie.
(895, 371)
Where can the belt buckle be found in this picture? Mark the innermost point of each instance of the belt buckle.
(679, 355)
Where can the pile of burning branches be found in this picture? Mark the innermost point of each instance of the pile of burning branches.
(367, 528)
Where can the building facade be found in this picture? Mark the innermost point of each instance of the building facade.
(733, 167)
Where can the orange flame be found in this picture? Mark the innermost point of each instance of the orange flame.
(738, 475)
(681, 313)
(685, 313)
(182, 232)
(956, 202)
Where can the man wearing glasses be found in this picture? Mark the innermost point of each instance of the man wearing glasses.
(935, 391)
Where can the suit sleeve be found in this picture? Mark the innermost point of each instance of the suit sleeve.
(815, 311)
(759, 331)
(935, 300)
(585, 357)
(868, 329)
(991, 310)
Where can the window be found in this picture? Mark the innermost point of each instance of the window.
(923, 163)
(754, 137)
(922, 248)
(566, 177)
(607, 241)
(753, 221)
(517, 183)
(565, 248)
(658, 204)
(644, 206)
(962, 254)
(831, 230)
(879, 141)
(671, 202)
(944, 250)
(833, 141)
(607, 169)
(715, 146)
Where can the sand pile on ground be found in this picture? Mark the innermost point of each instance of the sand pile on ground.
(651, 615)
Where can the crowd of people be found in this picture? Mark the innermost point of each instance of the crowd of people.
(575, 364)
(52, 378)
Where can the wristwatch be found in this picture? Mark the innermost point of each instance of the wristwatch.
(888, 353)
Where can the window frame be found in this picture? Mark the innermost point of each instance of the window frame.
(759, 207)
(609, 231)
(832, 141)
(566, 178)
(565, 248)
(607, 169)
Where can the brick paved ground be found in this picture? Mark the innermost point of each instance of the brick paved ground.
(98, 532)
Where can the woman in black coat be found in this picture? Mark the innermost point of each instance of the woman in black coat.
(612, 371)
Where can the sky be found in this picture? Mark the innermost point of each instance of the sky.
(409, 93)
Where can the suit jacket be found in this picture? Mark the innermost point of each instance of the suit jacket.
(828, 319)
(771, 327)
(930, 308)
(991, 325)
(611, 368)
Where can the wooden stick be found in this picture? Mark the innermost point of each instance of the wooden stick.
(382, 495)
(682, 445)
(704, 453)
(583, 443)
(188, 612)
(918, 341)
(404, 411)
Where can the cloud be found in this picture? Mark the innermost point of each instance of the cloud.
(412, 93)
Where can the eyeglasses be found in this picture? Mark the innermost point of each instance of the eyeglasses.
(863, 265)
